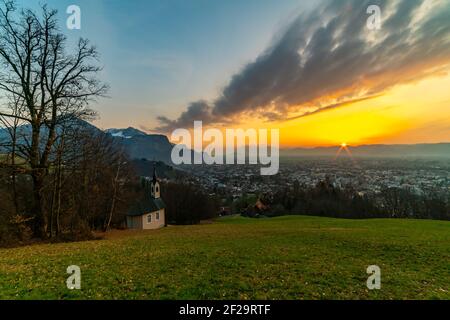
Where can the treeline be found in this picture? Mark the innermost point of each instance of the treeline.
(187, 203)
(327, 200)
(87, 186)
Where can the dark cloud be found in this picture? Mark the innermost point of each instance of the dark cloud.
(328, 57)
(199, 110)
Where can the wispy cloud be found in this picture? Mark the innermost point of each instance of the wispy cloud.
(331, 107)
(328, 58)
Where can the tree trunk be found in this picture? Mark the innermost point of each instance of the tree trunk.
(113, 204)
(52, 206)
(58, 208)
(13, 166)
(40, 223)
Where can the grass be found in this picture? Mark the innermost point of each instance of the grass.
(237, 258)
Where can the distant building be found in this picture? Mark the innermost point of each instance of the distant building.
(259, 208)
(149, 213)
(224, 211)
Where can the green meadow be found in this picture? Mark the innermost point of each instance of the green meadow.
(291, 257)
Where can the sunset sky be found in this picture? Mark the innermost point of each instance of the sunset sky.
(314, 70)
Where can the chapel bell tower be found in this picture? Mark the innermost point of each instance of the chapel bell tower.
(155, 188)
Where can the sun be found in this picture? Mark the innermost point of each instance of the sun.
(344, 147)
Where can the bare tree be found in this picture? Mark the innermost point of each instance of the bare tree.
(52, 85)
(11, 125)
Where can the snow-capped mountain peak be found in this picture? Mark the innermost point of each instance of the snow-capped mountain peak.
(125, 133)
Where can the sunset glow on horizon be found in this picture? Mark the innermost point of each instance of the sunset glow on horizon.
(409, 114)
(321, 86)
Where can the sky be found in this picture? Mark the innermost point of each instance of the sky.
(314, 70)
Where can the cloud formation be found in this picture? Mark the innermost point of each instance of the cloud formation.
(328, 58)
(199, 110)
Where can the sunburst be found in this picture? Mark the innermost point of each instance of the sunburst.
(344, 146)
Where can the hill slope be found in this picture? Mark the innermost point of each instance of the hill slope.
(283, 258)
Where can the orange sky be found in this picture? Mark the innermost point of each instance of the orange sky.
(407, 114)
(320, 89)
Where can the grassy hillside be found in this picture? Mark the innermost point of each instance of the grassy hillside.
(237, 258)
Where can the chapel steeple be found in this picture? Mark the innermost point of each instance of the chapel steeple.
(155, 188)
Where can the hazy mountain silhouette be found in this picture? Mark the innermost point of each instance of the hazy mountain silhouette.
(140, 145)
(438, 150)
(155, 147)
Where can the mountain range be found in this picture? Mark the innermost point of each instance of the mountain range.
(140, 145)
(155, 147)
(432, 150)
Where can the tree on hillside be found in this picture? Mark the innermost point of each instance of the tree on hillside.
(187, 203)
(90, 184)
(52, 85)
